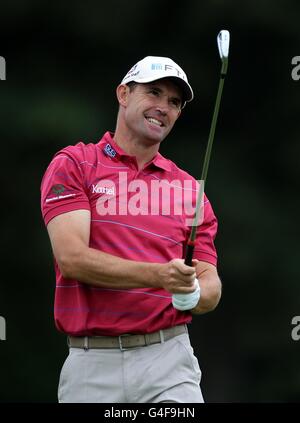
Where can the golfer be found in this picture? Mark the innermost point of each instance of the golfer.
(119, 215)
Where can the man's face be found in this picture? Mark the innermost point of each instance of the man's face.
(152, 110)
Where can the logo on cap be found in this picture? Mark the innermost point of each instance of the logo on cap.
(156, 66)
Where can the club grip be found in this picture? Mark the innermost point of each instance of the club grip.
(189, 254)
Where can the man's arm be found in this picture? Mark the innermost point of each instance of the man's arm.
(211, 288)
(69, 235)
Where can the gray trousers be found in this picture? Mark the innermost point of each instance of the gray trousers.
(166, 372)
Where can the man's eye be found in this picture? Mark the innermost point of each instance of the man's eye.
(154, 92)
(176, 103)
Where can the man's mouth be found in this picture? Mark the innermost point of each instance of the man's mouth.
(154, 121)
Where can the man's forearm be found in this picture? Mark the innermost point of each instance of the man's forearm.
(211, 289)
(105, 270)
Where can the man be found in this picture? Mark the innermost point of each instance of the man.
(123, 294)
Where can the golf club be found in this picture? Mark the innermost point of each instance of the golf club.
(223, 39)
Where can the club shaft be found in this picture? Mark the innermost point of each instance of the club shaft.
(212, 131)
(190, 245)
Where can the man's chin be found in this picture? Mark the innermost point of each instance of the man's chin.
(155, 138)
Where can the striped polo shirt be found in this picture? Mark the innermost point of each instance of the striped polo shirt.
(142, 215)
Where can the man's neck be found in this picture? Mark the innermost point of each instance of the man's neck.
(136, 147)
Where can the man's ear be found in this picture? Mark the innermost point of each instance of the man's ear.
(122, 92)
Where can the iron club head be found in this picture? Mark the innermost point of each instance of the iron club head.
(223, 40)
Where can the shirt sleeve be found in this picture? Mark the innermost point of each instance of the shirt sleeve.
(62, 187)
(205, 249)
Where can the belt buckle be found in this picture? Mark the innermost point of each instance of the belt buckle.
(120, 341)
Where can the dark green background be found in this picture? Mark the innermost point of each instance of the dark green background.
(64, 60)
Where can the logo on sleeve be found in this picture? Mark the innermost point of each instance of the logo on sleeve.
(58, 189)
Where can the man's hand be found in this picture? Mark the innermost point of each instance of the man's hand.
(178, 278)
(187, 301)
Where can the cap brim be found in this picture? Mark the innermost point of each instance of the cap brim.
(185, 86)
(187, 91)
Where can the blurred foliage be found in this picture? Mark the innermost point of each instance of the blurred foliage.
(64, 60)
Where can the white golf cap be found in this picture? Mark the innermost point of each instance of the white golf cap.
(152, 68)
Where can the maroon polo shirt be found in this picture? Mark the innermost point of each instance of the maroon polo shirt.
(142, 215)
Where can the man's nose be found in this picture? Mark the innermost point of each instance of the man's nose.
(162, 110)
(162, 105)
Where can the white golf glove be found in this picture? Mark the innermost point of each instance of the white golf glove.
(187, 301)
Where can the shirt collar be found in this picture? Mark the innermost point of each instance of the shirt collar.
(111, 149)
(162, 163)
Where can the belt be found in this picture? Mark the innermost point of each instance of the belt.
(127, 340)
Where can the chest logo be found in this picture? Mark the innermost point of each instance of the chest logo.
(98, 189)
(109, 151)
